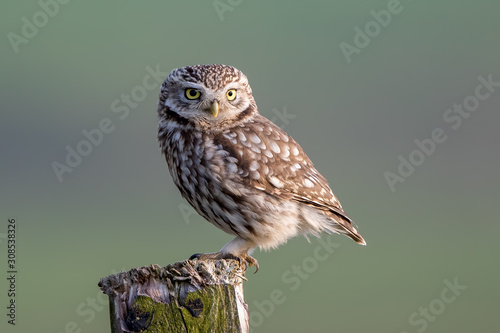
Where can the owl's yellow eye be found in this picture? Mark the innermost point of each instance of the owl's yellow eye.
(192, 93)
(231, 94)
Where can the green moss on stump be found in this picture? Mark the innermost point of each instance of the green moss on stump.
(198, 298)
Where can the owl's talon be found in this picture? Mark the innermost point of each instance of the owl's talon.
(251, 261)
(195, 256)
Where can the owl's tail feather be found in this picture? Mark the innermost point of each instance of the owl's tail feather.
(343, 225)
(333, 220)
(351, 232)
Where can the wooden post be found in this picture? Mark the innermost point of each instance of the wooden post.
(187, 296)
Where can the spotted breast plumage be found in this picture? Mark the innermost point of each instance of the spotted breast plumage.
(238, 169)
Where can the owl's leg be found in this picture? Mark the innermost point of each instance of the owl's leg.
(236, 249)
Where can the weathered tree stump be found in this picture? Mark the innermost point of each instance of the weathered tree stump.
(186, 296)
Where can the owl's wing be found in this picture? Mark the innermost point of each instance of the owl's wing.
(271, 161)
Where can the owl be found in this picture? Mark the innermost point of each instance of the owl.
(239, 170)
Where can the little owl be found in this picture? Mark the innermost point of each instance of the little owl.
(239, 170)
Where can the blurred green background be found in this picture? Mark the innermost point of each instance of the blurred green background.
(119, 209)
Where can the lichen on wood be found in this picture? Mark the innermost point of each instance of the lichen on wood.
(187, 296)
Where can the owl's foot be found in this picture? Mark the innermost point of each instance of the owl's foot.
(251, 261)
(244, 259)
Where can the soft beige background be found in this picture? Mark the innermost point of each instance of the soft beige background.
(119, 209)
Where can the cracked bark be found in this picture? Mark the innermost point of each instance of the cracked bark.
(186, 296)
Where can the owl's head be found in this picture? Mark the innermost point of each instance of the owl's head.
(207, 94)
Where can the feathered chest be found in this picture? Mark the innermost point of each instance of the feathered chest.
(190, 159)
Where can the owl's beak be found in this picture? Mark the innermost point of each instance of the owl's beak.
(214, 108)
